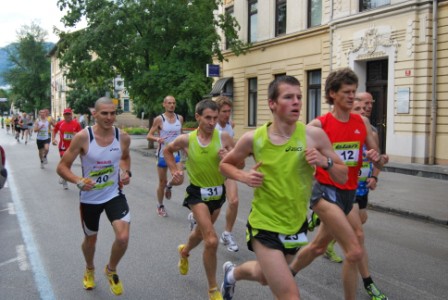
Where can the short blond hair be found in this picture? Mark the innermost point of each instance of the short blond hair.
(223, 100)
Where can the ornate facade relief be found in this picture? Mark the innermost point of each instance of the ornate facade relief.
(410, 39)
(370, 43)
(337, 50)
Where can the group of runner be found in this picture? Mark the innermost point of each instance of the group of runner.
(288, 156)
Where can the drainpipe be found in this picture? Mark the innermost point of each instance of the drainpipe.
(331, 35)
(433, 127)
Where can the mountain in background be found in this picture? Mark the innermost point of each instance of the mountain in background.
(5, 64)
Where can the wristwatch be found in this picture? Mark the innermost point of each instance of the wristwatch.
(129, 173)
(329, 164)
(80, 184)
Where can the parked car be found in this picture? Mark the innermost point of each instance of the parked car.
(3, 171)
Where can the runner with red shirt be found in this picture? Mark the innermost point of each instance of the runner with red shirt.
(67, 128)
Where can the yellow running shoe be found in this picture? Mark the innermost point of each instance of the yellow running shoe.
(183, 261)
(215, 294)
(89, 279)
(116, 287)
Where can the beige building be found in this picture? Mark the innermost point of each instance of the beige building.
(391, 45)
(59, 86)
(60, 89)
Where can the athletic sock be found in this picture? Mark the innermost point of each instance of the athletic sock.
(230, 276)
(367, 281)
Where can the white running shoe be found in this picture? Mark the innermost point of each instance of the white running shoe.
(192, 221)
(229, 241)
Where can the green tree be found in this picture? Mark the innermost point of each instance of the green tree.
(29, 76)
(159, 47)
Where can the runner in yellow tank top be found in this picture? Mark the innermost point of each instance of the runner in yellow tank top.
(205, 195)
(285, 152)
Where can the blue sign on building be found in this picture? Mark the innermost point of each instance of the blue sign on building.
(212, 70)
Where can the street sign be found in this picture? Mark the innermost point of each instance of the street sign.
(212, 70)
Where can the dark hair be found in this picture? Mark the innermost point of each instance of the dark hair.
(336, 79)
(273, 92)
(204, 104)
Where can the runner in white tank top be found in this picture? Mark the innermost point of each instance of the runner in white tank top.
(168, 126)
(225, 124)
(106, 163)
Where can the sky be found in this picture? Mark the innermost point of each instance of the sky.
(16, 13)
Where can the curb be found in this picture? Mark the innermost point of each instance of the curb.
(407, 214)
(380, 208)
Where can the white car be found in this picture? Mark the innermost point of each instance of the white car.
(3, 172)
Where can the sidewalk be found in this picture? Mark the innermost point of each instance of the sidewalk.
(410, 190)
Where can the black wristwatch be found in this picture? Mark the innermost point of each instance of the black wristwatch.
(129, 173)
(329, 164)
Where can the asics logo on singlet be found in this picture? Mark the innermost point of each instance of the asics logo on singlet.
(290, 148)
(114, 149)
(357, 131)
(204, 151)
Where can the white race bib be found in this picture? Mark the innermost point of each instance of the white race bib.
(293, 240)
(348, 152)
(211, 193)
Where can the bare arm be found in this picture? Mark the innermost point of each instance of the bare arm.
(156, 126)
(180, 143)
(230, 164)
(77, 147)
(372, 147)
(125, 160)
(319, 149)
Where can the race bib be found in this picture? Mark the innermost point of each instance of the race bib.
(293, 240)
(102, 177)
(348, 152)
(42, 133)
(68, 136)
(364, 172)
(211, 193)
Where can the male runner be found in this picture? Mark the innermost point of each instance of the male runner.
(205, 195)
(105, 160)
(286, 152)
(67, 129)
(225, 124)
(42, 128)
(332, 201)
(168, 126)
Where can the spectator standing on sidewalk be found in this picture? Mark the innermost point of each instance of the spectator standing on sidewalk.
(67, 129)
(105, 160)
(168, 126)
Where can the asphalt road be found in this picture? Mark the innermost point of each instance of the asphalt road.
(41, 236)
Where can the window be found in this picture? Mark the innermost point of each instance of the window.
(126, 105)
(229, 12)
(314, 94)
(280, 17)
(279, 75)
(369, 4)
(314, 13)
(252, 104)
(253, 21)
